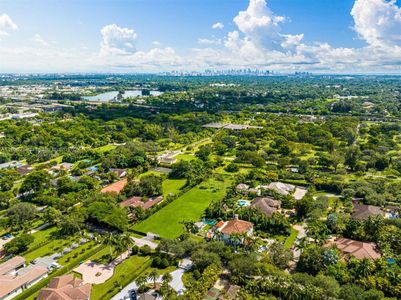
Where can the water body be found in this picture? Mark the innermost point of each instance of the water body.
(108, 96)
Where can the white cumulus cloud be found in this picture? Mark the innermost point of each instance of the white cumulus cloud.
(6, 24)
(260, 24)
(218, 25)
(118, 40)
(378, 22)
(37, 38)
(211, 41)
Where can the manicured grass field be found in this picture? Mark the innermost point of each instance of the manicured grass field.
(189, 207)
(185, 156)
(105, 148)
(172, 186)
(42, 236)
(124, 273)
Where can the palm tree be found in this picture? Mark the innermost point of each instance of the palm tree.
(109, 240)
(126, 242)
(141, 281)
(167, 278)
(153, 276)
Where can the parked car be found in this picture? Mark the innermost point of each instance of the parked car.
(132, 295)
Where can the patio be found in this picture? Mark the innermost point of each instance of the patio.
(96, 273)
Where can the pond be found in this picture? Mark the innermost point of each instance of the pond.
(108, 96)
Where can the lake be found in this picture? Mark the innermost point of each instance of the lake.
(108, 96)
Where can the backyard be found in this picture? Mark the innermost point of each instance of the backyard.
(189, 207)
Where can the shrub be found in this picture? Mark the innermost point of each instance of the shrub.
(145, 250)
(19, 244)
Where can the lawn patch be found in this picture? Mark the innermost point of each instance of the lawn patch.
(190, 207)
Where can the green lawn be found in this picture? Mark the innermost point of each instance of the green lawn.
(185, 156)
(124, 273)
(190, 206)
(106, 148)
(42, 236)
(291, 239)
(172, 186)
(48, 244)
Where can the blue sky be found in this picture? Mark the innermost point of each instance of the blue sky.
(157, 35)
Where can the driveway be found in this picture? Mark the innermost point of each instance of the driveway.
(144, 241)
(301, 234)
(176, 283)
(96, 273)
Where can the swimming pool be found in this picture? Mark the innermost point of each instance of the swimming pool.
(243, 203)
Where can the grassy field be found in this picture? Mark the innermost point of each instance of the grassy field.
(172, 186)
(42, 236)
(54, 246)
(124, 273)
(190, 206)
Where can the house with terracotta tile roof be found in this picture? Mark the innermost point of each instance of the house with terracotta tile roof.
(65, 288)
(138, 202)
(15, 277)
(115, 187)
(225, 230)
(357, 249)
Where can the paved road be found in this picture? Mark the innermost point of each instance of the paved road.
(301, 234)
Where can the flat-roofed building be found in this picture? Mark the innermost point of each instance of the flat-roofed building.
(15, 277)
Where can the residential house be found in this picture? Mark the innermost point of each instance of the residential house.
(233, 227)
(281, 188)
(15, 277)
(363, 212)
(266, 205)
(168, 158)
(25, 169)
(357, 249)
(146, 297)
(115, 187)
(231, 292)
(119, 172)
(242, 187)
(65, 288)
(137, 202)
(62, 167)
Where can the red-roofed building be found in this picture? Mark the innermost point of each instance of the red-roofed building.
(65, 288)
(234, 227)
(115, 187)
(15, 277)
(137, 202)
